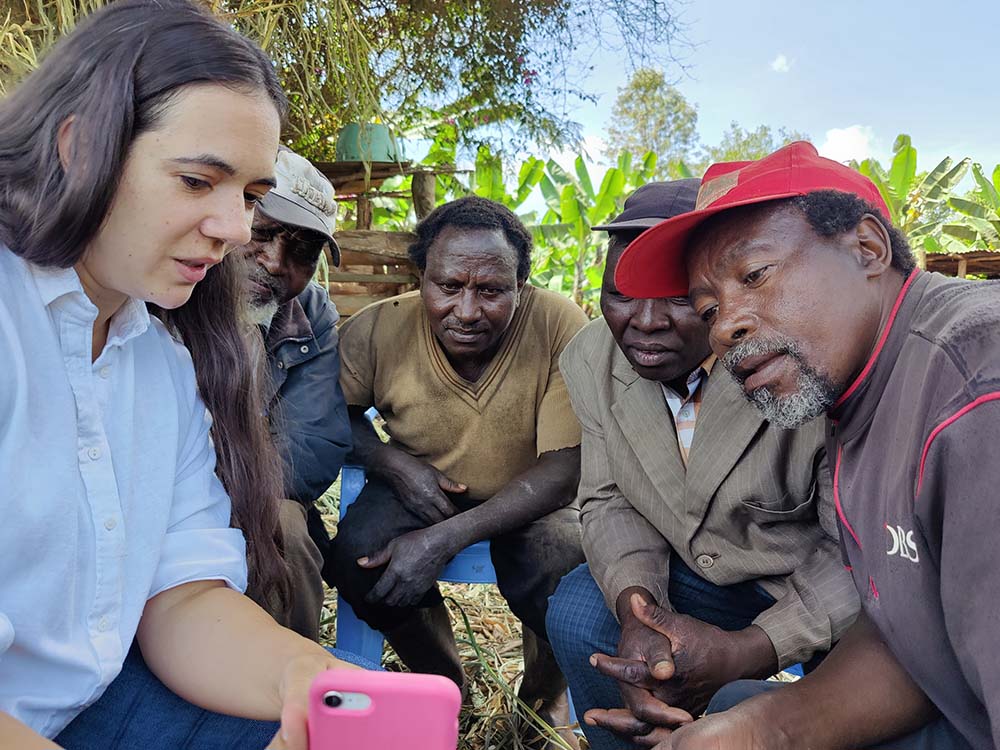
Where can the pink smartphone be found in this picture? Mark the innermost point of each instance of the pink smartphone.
(352, 709)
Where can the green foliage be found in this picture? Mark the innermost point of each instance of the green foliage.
(651, 115)
(918, 201)
(569, 257)
(738, 144)
(495, 68)
(977, 223)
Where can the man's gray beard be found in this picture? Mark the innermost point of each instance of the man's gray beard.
(816, 393)
(262, 315)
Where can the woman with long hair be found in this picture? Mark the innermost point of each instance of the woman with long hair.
(130, 163)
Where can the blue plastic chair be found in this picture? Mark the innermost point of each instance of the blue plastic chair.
(471, 565)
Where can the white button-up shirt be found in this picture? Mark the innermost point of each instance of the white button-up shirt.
(108, 493)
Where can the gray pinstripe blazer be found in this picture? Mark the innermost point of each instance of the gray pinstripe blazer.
(754, 503)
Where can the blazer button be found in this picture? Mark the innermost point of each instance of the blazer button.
(281, 365)
(304, 349)
(705, 561)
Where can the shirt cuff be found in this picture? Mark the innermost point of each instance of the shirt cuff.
(6, 633)
(793, 639)
(620, 580)
(201, 555)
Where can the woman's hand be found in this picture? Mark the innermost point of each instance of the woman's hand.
(294, 692)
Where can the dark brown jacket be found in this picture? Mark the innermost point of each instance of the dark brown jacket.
(916, 441)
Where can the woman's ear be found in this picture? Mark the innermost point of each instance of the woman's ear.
(64, 142)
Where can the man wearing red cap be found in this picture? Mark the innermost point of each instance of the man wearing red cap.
(815, 305)
(690, 502)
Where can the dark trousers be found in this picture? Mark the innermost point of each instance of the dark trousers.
(581, 624)
(529, 561)
(305, 561)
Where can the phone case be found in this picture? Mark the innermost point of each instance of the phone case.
(417, 711)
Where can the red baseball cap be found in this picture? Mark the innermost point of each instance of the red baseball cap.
(653, 264)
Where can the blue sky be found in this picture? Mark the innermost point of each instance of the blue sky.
(850, 74)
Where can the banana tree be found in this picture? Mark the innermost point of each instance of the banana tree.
(977, 225)
(917, 201)
(569, 257)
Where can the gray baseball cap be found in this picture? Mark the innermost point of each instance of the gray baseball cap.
(303, 198)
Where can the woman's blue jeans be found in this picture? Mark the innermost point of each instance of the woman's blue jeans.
(138, 712)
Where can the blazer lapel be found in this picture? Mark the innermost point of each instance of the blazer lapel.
(642, 413)
(727, 423)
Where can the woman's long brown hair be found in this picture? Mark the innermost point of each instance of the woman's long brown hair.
(248, 463)
(116, 74)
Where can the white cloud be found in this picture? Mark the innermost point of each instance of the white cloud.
(854, 142)
(781, 64)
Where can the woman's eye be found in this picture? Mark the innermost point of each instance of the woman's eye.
(251, 199)
(194, 183)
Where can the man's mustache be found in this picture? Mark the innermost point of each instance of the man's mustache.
(262, 277)
(758, 348)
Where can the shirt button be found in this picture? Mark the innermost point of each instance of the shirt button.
(104, 624)
(111, 523)
(304, 349)
(94, 453)
(705, 561)
(105, 372)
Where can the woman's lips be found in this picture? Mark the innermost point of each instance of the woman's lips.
(192, 271)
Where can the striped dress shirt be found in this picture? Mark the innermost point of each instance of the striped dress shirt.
(684, 409)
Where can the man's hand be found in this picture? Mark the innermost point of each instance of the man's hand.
(646, 659)
(679, 660)
(740, 728)
(735, 729)
(414, 561)
(642, 733)
(420, 487)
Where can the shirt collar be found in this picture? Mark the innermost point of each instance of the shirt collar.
(708, 364)
(130, 321)
(695, 380)
(872, 379)
(55, 284)
(290, 323)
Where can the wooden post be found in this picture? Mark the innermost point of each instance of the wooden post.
(364, 213)
(424, 189)
(963, 268)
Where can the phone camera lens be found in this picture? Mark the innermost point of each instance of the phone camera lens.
(333, 699)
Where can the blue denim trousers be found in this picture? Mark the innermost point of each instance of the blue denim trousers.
(580, 624)
(138, 712)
